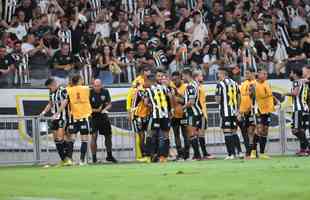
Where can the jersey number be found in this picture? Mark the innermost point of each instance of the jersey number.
(232, 94)
(160, 99)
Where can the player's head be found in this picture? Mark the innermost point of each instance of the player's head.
(249, 74)
(306, 72)
(197, 75)
(295, 74)
(159, 75)
(151, 80)
(262, 74)
(97, 85)
(176, 78)
(76, 80)
(146, 70)
(222, 73)
(187, 75)
(51, 84)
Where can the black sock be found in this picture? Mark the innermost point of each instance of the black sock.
(66, 148)
(202, 142)
(255, 141)
(60, 149)
(167, 147)
(83, 151)
(195, 145)
(108, 145)
(246, 140)
(229, 144)
(148, 146)
(237, 144)
(262, 144)
(94, 156)
(303, 141)
(70, 149)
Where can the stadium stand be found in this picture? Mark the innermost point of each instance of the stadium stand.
(112, 39)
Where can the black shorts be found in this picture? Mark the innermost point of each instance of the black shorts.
(162, 124)
(177, 122)
(248, 120)
(83, 126)
(299, 120)
(140, 124)
(57, 124)
(229, 122)
(101, 124)
(263, 119)
(194, 121)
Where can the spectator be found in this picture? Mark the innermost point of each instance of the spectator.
(61, 64)
(212, 62)
(296, 56)
(6, 68)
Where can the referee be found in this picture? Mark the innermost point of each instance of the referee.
(101, 102)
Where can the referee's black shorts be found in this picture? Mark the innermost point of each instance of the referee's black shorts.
(101, 124)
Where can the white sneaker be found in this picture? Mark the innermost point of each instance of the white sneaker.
(83, 163)
(240, 155)
(230, 158)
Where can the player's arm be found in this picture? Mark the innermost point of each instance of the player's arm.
(64, 100)
(108, 104)
(218, 93)
(46, 109)
(295, 90)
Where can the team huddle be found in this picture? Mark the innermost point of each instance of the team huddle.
(158, 103)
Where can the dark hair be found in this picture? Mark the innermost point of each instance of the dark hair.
(261, 69)
(49, 81)
(176, 73)
(75, 79)
(187, 72)
(151, 77)
(160, 70)
(223, 69)
(297, 71)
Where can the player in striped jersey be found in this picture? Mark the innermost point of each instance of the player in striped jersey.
(227, 96)
(157, 97)
(58, 106)
(299, 93)
(84, 65)
(193, 111)
(198, 77)
(64, 33)
(21, 75)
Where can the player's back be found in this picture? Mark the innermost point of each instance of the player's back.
(246, 100)
(264, 97)
(228, 90)
(79, 99)
(192, 94)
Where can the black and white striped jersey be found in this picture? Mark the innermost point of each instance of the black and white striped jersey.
(21, 75)
(56, 98)
(159, 101)
(129, 6)
(95, 7)
(7, 9)
(65, 36)
(300, 100)
(192, 94)
(160, 58)
(228, 91)
(86, 71)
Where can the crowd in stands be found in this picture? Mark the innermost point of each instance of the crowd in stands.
(113, 39)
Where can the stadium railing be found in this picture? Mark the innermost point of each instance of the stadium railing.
(28, 140)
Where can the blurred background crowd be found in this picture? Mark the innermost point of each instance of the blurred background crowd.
(114, 39)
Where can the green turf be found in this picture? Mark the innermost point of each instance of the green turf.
(280, 178)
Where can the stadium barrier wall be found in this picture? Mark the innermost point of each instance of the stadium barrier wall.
(28, 140)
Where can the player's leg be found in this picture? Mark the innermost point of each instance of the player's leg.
(186, 142)
(150, 145)
(68, 147)
(176, 127)
(85, 130)
(228, 137)
(164, 143)
(252, 145)
(106, 130)
(263, 137)
(59, 138)
(299, 132)
(244, 127)
(202, 126)
(193, 137)
(93, 146)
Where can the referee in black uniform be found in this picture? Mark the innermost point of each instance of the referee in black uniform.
(101, 102)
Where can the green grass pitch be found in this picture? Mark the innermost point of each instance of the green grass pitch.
(283, 178)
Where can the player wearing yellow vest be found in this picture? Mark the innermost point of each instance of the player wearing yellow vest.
(265, 106)
(178, 121)
(198, 77)
(247, 115)
(80, 109)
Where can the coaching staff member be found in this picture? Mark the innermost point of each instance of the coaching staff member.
(101, 102)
